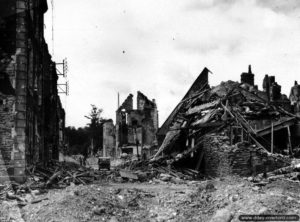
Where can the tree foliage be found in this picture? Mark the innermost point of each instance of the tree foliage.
(95, 117)
(81, 140)
(78, 140)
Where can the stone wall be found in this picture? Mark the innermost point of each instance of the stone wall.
(222, 159)
(216, 155)
(6, 139)
(109, 139)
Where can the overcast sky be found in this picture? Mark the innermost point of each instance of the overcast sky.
(160, 46)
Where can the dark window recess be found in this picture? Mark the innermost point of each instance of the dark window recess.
(134, 122)
(5, 109)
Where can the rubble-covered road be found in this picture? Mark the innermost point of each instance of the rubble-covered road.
(214, 200)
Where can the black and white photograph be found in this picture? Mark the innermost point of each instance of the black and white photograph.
(149, 110)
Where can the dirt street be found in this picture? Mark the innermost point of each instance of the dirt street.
(214, 200)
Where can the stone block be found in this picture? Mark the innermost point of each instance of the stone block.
(4, 179)
(21, 123)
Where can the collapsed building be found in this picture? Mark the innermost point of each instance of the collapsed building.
(232, 128)
(136, 128)
(31, 113)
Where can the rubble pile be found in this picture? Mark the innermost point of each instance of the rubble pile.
(291, 173)
(155, 171)
(57, 175)
(61, 174)
(224, 199)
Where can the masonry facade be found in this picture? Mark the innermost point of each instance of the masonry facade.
(31, 114)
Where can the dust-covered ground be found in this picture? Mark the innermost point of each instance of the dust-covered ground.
(214, 200)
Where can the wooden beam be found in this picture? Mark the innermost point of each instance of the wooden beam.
(289, 139)
(276, 126)
(272, 137)
(242, 134)
(257, 143)
(200, 126)
(231, 135)
(200, 160)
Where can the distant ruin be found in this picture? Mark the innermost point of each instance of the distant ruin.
(135, 129)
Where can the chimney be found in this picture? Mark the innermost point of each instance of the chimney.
(248, 77)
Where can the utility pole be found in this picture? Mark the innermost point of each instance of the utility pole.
(117, 128)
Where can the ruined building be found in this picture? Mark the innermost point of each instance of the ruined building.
(109, 139)
(232, 128)
(136, 128)
(31, 114)
(295, 98)
(248, 77)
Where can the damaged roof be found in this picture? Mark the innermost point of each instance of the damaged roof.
(200, 84)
